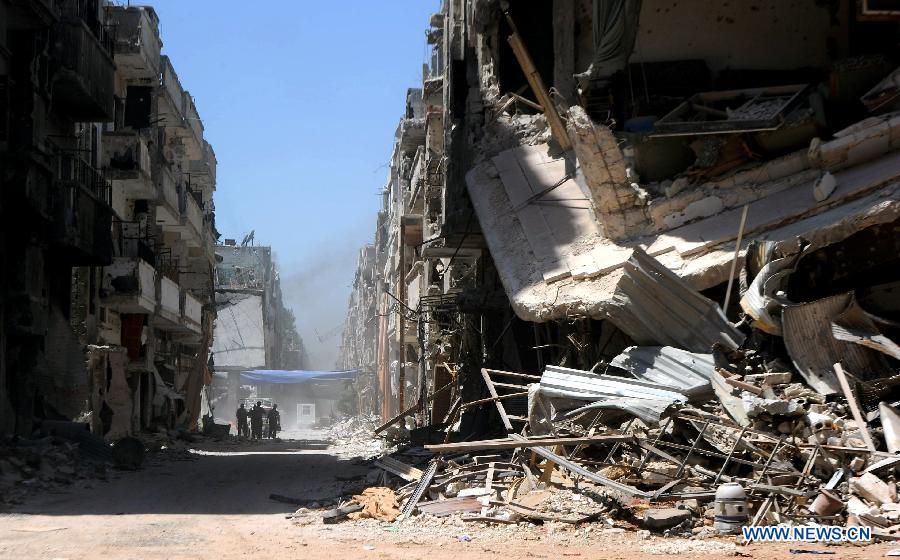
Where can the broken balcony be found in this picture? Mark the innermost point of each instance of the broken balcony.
(137, 46)
(179, 114)
(171, 109)
(126, 157)
(129, 286)
(82, 215)
(83, 81)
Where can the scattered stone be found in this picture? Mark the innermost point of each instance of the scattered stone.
(871, 488)
(660, 519)
(824, 186)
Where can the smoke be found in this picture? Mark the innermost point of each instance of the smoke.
(317, 290)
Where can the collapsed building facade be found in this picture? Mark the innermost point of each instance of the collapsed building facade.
(254, 329)
(573, 179)
(109, 231)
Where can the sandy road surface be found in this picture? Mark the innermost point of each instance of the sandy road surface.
(216, 506)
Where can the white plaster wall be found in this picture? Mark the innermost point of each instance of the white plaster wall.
(193, 310)
(169, 296)
(239, 334)
(148, 281)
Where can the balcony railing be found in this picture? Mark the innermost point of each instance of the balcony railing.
(84, 78)
(70, 168)
(82, 216)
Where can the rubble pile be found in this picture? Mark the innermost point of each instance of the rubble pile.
(789, 418)
(353, 436)
(27, 466)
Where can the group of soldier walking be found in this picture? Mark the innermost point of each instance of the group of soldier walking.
(256, 415)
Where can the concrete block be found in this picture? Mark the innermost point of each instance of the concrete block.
(661, 519)
(871, 488)
(824, 187)
(677, 186)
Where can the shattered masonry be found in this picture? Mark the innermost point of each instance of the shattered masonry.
(568, 192)
(108, 243)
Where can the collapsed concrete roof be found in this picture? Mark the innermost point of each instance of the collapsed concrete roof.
(555, 259)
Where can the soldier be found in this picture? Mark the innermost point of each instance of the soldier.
(242, 428)
(274, 421)
(256, 420)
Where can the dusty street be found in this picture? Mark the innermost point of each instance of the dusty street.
(213, 503)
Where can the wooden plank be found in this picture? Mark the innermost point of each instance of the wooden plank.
(450, 506)
(492, 399)
(335, 515)
(500, 408)
(537, 87)
(489, 478)
(509, 385)
(420, 488)
(502, 373)
(525, 443)
(579, 470)
(549, 466)
(854, 407)
(744, 386)
(412, 409)
(399, 468)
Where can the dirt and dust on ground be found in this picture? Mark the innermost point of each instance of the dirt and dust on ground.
(210, 498)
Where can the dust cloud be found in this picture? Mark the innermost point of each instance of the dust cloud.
(316, 290)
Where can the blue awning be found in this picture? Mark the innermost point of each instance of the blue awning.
(282, 376)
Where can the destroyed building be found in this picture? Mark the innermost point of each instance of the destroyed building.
(254, 329)
(108, 239)
(599, 211)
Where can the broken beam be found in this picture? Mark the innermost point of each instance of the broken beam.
(522, 443)
(538, 87)
(577, 469)
(411, 409)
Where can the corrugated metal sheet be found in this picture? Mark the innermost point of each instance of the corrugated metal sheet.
(857, 326)
(689, 372)
(561, 391)
(761, 300)
(655, 307)
(814, 349)
(584, 385)
(650, 411)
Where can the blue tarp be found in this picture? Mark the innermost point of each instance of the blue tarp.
(281, 376)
